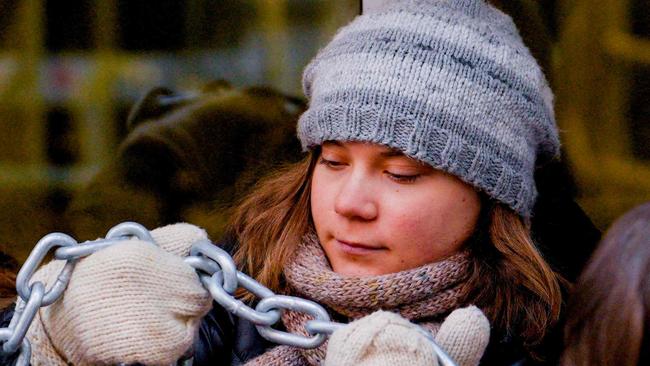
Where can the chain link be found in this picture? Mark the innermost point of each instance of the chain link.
(217, 272)
(278, 302)
(25, 315)
(34, 261)
(208, 250)
(25, 347)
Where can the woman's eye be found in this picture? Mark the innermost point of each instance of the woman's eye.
(330, 163)
(403, 178)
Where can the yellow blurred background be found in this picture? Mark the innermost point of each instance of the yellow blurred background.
(70, 70)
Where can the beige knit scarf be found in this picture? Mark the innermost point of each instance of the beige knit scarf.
(424, 295)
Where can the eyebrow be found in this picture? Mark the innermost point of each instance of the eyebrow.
(391, 153)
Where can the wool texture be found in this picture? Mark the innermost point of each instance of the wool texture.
(465, 335)
(447, 82)
(386, 339)
(380, 339)
(424, 295)
(133, 302)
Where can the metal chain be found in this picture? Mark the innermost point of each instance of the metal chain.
(217, 272)
(34, 295)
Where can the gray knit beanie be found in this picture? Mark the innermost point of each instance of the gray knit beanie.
(447, 82)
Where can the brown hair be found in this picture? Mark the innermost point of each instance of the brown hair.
(8, 270)
(608, 316)
(510, 280)
(270, 222)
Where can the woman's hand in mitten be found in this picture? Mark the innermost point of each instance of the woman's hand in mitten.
(133, 302)
(385, 338)
(464, 335)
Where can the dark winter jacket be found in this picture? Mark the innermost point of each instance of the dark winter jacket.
(225, 339)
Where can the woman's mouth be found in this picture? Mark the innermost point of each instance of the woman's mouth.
(354, 248)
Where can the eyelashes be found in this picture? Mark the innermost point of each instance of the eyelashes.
(329, 163)
(399, 178)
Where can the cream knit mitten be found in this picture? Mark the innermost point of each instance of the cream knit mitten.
(386, 339)
(133, 302)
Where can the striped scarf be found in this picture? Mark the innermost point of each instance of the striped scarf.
(424, 295)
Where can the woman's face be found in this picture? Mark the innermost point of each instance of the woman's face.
(377, 211)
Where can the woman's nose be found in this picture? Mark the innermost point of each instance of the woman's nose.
(355, 199)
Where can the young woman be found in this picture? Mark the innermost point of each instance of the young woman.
(425, 124)
(608, 317)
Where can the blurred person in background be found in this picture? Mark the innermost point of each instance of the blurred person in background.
(608, 316)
